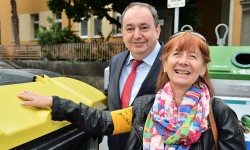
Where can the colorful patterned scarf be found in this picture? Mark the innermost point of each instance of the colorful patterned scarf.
(169, 127)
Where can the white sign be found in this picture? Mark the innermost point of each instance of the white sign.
(176, 3)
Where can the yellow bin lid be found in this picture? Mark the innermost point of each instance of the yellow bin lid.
(21, 124)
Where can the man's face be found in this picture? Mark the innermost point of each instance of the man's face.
(139, 32)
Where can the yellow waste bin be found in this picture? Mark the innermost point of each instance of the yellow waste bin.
(32, 128)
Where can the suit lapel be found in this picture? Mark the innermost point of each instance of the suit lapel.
(117, 74)
(148, 85)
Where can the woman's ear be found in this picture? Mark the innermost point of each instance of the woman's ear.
(164, 67)
(203, 70)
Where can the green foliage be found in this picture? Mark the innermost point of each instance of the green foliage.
(78, 9)
(55, 35)
(74, 9)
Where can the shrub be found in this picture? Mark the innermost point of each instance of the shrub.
(55, 35)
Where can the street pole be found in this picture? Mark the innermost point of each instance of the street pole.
(176, 4)
(176, 19)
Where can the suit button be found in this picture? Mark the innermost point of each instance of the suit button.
(140, 128)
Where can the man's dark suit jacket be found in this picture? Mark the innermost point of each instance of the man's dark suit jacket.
(117, 142)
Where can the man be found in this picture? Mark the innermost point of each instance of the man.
(140, 32)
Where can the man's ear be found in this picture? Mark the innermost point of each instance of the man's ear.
(121, 31)
(158, 29)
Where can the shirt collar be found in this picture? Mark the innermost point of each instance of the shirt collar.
(149, 60)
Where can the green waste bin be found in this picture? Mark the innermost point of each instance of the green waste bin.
(230, 74)
(230, 70)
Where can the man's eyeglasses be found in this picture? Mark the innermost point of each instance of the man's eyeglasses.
(191, 32)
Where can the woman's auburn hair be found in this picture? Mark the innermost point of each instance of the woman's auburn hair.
(186, 41)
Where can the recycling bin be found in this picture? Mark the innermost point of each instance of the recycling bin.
(32, 128)
(230, 74)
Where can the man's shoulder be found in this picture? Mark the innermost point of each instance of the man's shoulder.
(118, 60)
(120, 55)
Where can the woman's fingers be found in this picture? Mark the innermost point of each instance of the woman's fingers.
(26, 103)
(36, 103)
(32, 99)
(27, 96)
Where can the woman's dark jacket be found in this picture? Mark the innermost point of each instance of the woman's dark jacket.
(99, 122)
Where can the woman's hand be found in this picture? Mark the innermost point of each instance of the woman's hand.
(32, 99)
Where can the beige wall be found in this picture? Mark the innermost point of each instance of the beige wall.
(27, 7)
(26, 25)
(5, 22)
(24, 10)
(31, 6)
(107, 27)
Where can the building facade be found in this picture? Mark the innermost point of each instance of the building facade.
(33, 14)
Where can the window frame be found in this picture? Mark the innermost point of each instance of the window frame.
(99, 25)
(36, 24)
(58, 20)
(81, 35)
(118, 33)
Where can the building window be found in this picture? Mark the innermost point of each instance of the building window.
(84, 28)
(97, 27)
(117, 28)
(35, 18)
(58, 20)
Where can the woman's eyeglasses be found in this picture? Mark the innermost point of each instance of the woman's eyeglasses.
(191, 32)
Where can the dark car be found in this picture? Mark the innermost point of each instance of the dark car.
(10, 73)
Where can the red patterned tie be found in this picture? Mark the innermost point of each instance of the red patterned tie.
(125, 98)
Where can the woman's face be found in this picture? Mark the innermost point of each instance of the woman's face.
(184, 67)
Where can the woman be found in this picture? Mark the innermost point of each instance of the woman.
(174, 118)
